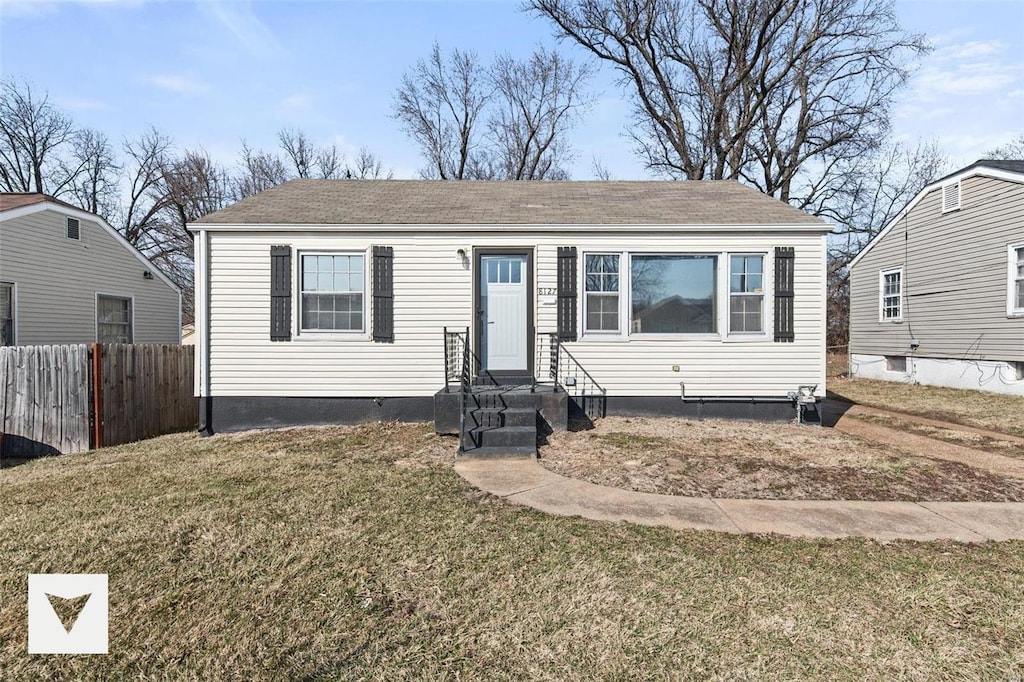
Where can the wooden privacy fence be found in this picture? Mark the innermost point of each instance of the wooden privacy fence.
(70, 398)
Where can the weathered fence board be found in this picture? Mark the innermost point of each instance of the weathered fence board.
(47, 396)
(44, 399)
(146, 391)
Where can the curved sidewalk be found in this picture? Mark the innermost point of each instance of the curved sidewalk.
(526, 482)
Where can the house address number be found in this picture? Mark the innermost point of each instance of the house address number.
(547, 291)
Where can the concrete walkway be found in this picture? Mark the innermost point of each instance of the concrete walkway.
(527, 483)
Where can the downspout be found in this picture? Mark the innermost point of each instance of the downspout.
(203, 334)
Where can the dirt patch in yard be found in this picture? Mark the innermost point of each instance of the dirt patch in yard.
(968, 439)
(735, 459)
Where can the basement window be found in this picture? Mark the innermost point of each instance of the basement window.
(1018, 370)
(895, 363)
(73, 229)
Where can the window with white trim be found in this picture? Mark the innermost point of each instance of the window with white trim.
(891, 294)
(673, 294)
(1015, 280)
(746, 294)
(6, 314)
(113, 319)
(601, 299)
(331, 297)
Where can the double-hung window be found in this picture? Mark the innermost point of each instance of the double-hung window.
(602, 293)
(891, 294)
(1015, 281)
(673, 294)
(6, 314)
(332, 292)
(746, 294)
(113, 319)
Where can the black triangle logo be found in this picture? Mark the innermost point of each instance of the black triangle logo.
(68, 610)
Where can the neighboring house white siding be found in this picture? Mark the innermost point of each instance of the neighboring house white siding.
(433, 288)
(57, 281)
(955, 327)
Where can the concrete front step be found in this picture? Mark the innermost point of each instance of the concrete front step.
(493, 418)
(500, 453)
(508, 437)
(550, 403)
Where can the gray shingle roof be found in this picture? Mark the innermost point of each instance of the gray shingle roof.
(440, 202)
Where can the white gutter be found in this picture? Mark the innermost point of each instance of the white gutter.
(492, 228)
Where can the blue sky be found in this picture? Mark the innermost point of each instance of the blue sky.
(212, 73)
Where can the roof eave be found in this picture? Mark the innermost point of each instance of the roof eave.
(820, 227)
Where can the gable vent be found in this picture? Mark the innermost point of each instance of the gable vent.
(951, 197)
(73, 229)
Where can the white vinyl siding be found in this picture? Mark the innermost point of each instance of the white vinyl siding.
(1015, 280)
(433, 288)
(890, 295)
(57, 280)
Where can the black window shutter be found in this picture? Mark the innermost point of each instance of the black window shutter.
(784, 293)
(567, 293)
(280, 293)
(383, 294)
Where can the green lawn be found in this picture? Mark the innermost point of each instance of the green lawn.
(358, 553)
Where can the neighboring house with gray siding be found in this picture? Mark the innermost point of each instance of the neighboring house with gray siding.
(66, 276)
(327, 301)
(937, 297)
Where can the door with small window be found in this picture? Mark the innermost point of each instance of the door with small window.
(503, 312)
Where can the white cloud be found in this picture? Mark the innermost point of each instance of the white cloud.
(241, 22)
(182, 85)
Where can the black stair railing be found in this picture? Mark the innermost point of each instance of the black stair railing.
(458, 370)
(555, 364)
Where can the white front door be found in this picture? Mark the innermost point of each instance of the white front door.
(503, 306)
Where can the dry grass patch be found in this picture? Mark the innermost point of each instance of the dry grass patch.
(969, 439)
(985, 410)
(718, 458)
(357, 553)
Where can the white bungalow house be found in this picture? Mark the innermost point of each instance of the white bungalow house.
(938, 296)
(67, 276)
(324, 301)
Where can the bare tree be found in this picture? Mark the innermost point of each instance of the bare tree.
(33, 134)
(537, 101)
(439, 105)
(259, 171)
(869, 195)
(367, 166)
(300, 151)
(600, 170)
(94, 173)
(776, 93)
(1011, 151)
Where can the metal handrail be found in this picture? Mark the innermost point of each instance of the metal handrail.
(566, 372)
(458, 367)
